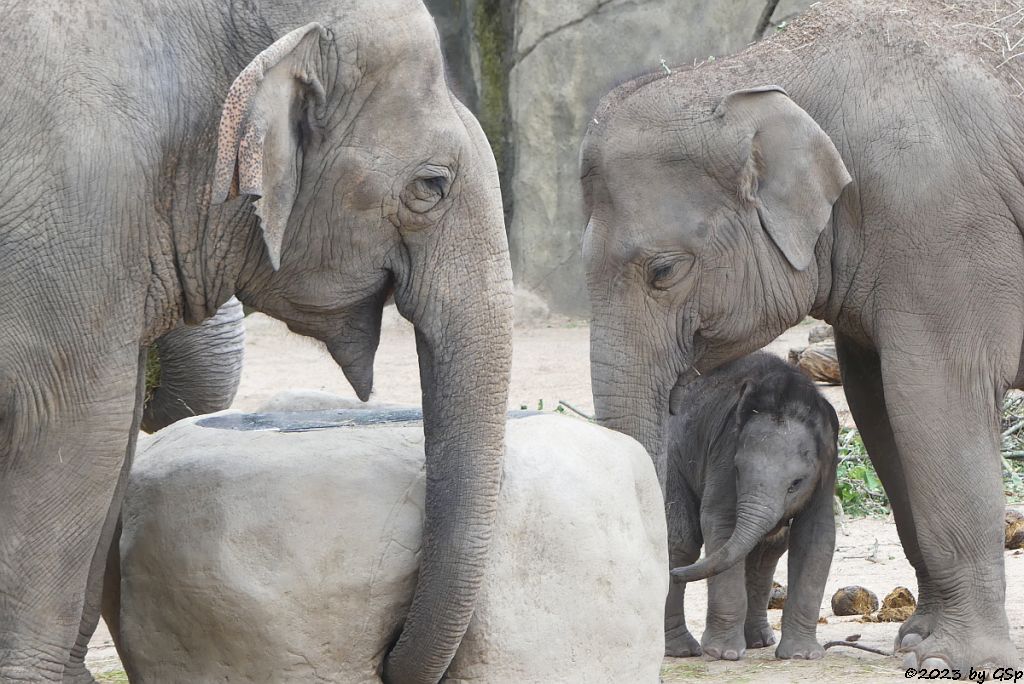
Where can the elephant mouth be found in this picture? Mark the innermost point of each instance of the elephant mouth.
(691, 373)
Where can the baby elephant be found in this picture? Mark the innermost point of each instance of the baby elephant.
(752, 467)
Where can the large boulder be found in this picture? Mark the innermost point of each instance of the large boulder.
(284, 547)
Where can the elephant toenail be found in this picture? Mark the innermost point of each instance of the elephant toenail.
(911, 640)
(815, 656)
(712, 652)
(731, 655)
(757, 644)
(934, 663)
(910, 659)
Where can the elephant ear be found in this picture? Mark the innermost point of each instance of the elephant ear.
(743, 408)
(793, 174)
(259, 148)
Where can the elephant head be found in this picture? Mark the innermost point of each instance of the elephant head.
(369, 178)
(704, 217)
(200, 368)
(781, 434)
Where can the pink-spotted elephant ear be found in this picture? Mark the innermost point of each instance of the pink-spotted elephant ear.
(258, 148)
(793, 173)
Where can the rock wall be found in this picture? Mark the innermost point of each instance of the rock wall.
(533, 72)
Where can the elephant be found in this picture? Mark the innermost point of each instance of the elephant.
(200, 368)
(751, 473)
(864, 167)
(308, 158)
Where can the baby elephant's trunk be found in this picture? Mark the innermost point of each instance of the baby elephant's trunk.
(754, 520)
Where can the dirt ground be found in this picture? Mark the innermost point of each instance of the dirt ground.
(551, 363)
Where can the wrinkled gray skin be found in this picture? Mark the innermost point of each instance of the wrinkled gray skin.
(751, 469)
(126, 206)
(200, 368)
(882, 194)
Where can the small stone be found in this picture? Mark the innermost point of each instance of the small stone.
(898, 605)
(1014, 529)
(854, 600)
(777, 597)
(823, 620)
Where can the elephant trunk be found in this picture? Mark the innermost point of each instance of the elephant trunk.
(200, 368)
(630, 396)
(754, 520)
(463, 342)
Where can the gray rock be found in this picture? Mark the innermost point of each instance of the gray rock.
(316, 400)
(531, 310)
(266, 556)
(820, 333)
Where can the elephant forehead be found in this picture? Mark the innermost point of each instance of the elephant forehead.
(775, 439)
(656, 216)
(392, 33)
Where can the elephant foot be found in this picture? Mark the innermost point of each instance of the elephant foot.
(731, 646)
(80, 677)
(759, 634)
(799, 648)
(981, 647)
(681, 645)
(916, 628)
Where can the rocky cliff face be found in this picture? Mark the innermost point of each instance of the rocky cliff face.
(533, 71)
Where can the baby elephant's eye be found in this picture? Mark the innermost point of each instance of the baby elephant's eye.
(795, 484)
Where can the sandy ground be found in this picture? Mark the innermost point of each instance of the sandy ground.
(550, 363)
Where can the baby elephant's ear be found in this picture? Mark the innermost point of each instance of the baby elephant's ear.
(259, 152)
(743, 403)
(793, 173)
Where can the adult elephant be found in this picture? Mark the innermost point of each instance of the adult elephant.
(865, 167)
(200, 368)
(157, 158)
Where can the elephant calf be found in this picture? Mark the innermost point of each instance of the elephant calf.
(752, 467)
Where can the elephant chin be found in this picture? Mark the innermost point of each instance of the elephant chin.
(357, 364)
(355, 344)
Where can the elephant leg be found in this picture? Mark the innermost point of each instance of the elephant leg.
(760, 574)
(862, 382)
(76, 672)
(727, 604)
(944, 420)
(812, 542)
(59, 468)
(679, 642)
(683, 518)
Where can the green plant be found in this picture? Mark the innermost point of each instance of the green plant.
(111, 677)
(857, 484)
(860, 490)
(152, 371)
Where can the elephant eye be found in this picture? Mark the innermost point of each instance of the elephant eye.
(795, 484)
(664, 273)
(425, 191)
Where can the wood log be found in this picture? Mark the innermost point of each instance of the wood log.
(819, 361)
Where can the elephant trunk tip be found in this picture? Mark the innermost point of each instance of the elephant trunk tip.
(688, 573)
